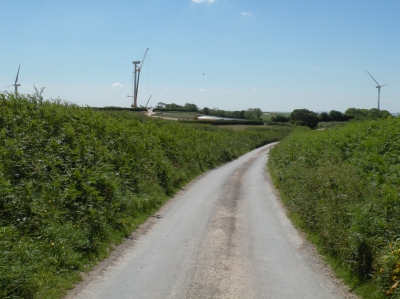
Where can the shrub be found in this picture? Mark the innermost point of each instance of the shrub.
(343, 183)
(74, 180)
(304, 117)
(280, 118)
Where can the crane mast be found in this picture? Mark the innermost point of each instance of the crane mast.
(148, 101)
(136, 74)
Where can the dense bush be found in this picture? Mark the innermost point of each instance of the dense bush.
(344, 184)
(364, 114)
(73, 180)
(249, 114)
(280, 118)
(223, 113)
(304, 117)
(337, 116)
(175, 107)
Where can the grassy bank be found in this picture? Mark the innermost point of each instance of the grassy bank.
(74, 180)
(343, 186)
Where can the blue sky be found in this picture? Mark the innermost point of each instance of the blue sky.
(226, 54)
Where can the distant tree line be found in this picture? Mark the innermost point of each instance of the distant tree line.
(304, 117)
(362, 114)
(115, 108)
(250, 113)
(218, 122)
(175, 107)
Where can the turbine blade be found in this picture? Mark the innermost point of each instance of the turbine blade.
(372, 78)
(16, 79)
(386, 84)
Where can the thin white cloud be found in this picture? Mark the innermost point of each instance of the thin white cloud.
(246, 14)
(116, 85)
(202, 1)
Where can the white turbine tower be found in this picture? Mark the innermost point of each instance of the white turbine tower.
(379, 87)
(16, 80)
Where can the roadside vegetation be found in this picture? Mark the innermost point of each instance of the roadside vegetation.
(307, 118)
(252, 114)
(74, 181)
(342, 186)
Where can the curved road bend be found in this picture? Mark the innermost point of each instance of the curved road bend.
(224, 236)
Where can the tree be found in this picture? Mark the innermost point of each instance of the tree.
(304, 117)
(206, 111)
(375, 113)
(173, 106)
(253, 113)
(362, 114)
(280, 118)
(336, 115)
(238, 114)
(161, 105)
(324, 117)
(191, 107)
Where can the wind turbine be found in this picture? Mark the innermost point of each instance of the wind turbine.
(16, 80)
(379, 87)
(136, 76)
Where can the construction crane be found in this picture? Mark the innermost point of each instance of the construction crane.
(148, 101)
(137, 74)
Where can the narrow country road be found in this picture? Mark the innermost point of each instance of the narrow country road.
(224, 236)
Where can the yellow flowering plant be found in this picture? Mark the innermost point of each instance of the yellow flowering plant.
(389, 270)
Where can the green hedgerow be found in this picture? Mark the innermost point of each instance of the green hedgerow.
(344, 185)
(74, 180)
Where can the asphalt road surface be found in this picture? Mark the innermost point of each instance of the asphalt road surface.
(224, 236)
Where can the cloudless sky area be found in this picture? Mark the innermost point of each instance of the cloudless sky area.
(227, 54)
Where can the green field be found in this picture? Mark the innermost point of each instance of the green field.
(342, 185)
(178, 115)
(191, 115)
(74, 182)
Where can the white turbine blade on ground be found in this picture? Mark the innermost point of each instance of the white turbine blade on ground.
(373, 78)
(16, 79)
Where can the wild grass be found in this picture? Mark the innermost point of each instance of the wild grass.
(344, 185)
(74, 181)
